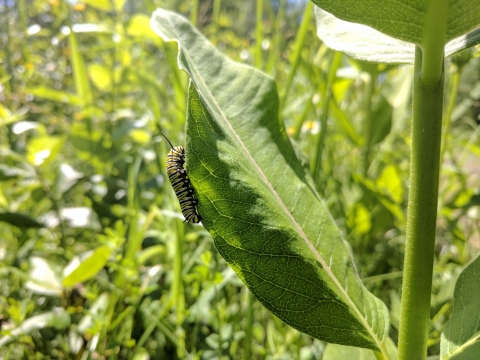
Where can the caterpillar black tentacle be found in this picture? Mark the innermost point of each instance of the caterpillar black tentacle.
(181, 183)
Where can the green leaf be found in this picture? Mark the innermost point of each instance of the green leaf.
(382, 120)
(10, 172)
(258, 202)
(7, 117)
(19, 220)
(58, 319)
(101, 76)
(83, 268)
(385, 191)
(95, 314)
(368, 43)
(43, 277)
(360, 41)
(461, 338)
(54, 95)
(66, 178)
(44, 149)
(345, 124)
(139, 26)
(404, 20)
(82, 84)
(360, 219)
(390, 184)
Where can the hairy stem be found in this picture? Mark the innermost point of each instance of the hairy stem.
(421, 215)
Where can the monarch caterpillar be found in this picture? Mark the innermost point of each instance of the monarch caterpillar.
(181, 183)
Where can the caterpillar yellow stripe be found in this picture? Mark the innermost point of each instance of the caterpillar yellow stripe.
(181, 183)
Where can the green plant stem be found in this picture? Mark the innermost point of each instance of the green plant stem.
(303, 116)
(369, 121)
(455, 82)
(297, 50)
(22, 13)
(421, 215)
(278, 40)
(379, 356)
(435, 33)
(134, 235)
(177, 289)
(133, 242)
(194, 13)
(82, 84)
(258, 35)
(247, 355)
(382, 277)
(160, 324)
(217, 4)
(326, 98)
(10, 66)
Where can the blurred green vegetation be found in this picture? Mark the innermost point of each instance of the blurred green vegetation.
(95, 260)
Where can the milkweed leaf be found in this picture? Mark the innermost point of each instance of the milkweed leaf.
(257, 200)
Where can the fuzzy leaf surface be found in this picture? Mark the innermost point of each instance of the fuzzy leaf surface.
(257, 199)
(363, 42)
(461, 338)
(404, 19)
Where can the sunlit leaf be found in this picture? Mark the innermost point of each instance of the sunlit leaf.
(44, 149)
(43, 277)
(463, 198)
(23, 126)
(101, 76)
(390, 183)
(361, 41)
(59, 319)
(384, 195)
(119, 4)
(408, 16)
(360, 220)
(3, 200)
(78, 216)
(84, 267)
(82, 84)
(67, 177)
(139, 25)
(140, 136)
(54, 95)
(89, 28)
(367, 43)
(257, 199)
(7, 117)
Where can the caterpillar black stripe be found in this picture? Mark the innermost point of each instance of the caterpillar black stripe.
(181, 183)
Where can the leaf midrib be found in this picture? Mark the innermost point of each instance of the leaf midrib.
(460, 349)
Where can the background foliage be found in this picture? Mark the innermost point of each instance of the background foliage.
(95, 259)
